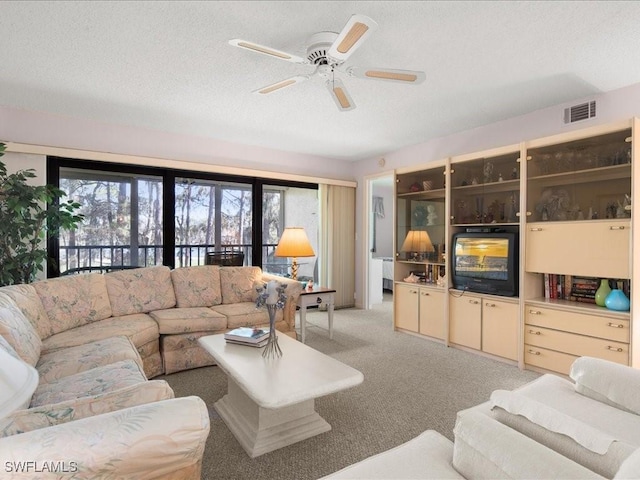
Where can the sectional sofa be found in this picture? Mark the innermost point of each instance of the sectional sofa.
(162, 311)
(96, 340)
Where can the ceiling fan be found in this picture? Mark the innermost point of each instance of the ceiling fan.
(328, 51)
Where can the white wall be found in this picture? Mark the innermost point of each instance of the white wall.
(611, 107)
(23, 161)
(45, 129)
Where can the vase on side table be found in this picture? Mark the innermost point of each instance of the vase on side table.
(603, 292)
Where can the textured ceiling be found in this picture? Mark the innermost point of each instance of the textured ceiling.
(168, 66)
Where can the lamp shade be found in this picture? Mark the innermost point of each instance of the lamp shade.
(294, 243)
(18, 381)
(417, 241)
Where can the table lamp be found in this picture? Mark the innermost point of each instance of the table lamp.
(18, 381)
(294, 243)
(416, 243)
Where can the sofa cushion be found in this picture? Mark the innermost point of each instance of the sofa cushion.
(107, 378)
(197, 286)
(140, 290)
(140, 328)
(245, 314)
(74, 300)
(69, 361)
(20, 334)
(44, 416)
(184, 320)
(607, 382)
(238, 284)
(4, 345)
(27, 300)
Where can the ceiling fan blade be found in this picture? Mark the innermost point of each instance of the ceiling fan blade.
(340, 95)
(271, 52)
(354, 33)
(281, 84)
(403, 76)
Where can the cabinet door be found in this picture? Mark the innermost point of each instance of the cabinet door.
(465, 320)
(406, 307)
(500, 328)
(590, 249)
(432, 313)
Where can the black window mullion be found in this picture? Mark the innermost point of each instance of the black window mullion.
(256, 230)
(168, 219)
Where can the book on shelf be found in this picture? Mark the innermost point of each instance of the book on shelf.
(259, 344)
(247, 334)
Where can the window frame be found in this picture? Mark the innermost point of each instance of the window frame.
(169, 176)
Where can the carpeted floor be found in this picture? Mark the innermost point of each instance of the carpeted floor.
(410, 385)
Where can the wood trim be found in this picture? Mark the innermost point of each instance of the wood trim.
(169, 163)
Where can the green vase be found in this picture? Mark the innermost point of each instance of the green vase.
(603, 291)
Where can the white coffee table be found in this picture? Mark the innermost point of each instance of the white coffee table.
(270, 402)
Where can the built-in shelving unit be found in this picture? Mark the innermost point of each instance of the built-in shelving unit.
(575, 192)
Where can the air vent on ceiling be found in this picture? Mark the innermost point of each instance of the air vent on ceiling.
(583, 111)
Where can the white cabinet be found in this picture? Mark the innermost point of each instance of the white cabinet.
(420, 309)
(595, 248)
(432, 322)
(484, 323)
(406, 306)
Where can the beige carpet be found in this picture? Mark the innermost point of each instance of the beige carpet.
(411, 385)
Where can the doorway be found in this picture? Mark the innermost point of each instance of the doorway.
(379, 241)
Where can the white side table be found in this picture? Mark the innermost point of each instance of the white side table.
(316, 296)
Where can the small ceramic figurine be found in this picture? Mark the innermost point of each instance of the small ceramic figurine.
(411, 279)
(310, 285)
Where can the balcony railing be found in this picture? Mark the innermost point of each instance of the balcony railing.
(102, 257)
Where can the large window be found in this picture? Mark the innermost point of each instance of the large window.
(212, 217)
(123, 220)
(142, 216)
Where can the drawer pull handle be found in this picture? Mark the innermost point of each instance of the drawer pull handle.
(535, 312)
(533, 352)
(533, 332)
(425, 294)
(615, 349)
(619, 227)
(615, 325)
(413, 291)
(474, 302)
(490, 304)
(536, 229)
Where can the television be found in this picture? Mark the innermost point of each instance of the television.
(485, 262)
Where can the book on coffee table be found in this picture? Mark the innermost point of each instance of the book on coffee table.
(247, 334)
(259, 344)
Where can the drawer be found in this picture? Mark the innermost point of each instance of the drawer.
(548, 359)
(579, 345)
(592, 325)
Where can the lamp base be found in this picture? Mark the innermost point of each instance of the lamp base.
(294, 269)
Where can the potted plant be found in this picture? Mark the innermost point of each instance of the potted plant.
(27, 214)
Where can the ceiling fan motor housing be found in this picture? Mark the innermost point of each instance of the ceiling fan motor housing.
(319, 44)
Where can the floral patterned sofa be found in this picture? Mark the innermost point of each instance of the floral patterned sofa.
(94, 414)
(162, 312)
